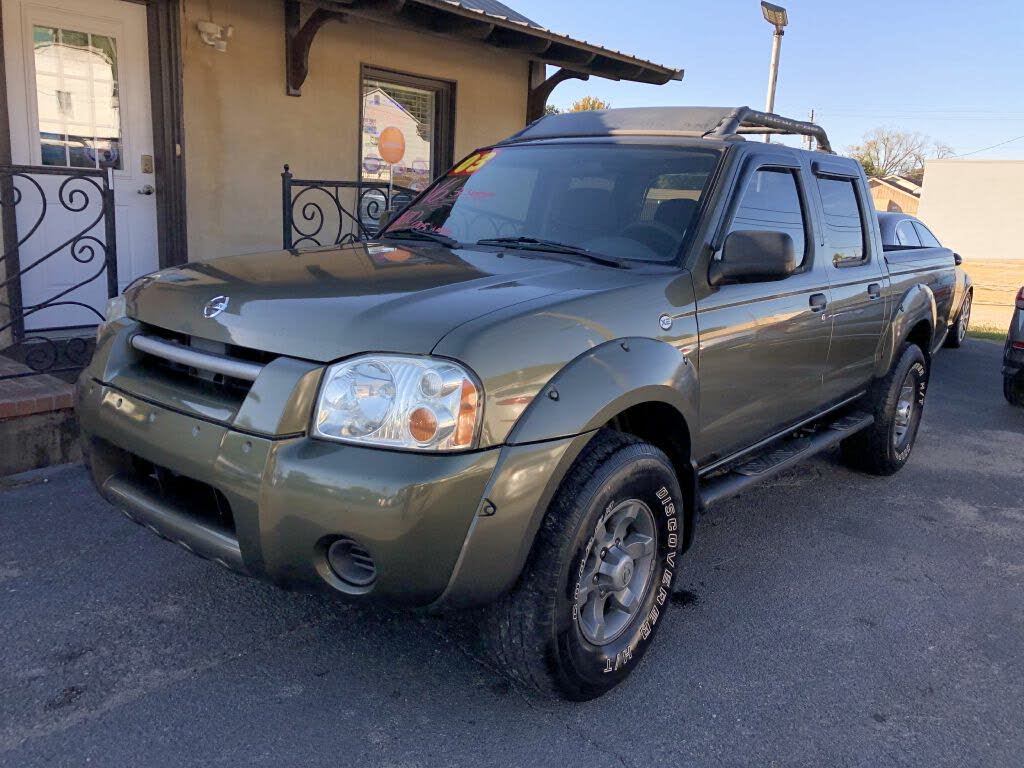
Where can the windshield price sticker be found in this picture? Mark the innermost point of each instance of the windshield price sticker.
(473, 163)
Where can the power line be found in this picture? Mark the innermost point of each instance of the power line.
(986, 149)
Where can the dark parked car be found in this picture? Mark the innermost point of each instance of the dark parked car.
(901, 230)
(524, 393)
(1013, 356)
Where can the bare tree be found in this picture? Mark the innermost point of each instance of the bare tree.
(588, 103)
(890, 151)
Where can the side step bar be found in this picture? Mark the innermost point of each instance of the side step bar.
(147, 509)
(781, 456)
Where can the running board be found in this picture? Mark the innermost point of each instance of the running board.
(782, 456)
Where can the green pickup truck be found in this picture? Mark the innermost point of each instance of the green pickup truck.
(524, 392)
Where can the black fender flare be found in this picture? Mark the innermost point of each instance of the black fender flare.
(603, 382)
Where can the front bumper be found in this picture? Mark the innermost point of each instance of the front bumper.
(452, 529)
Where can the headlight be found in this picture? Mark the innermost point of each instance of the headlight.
(417, 403)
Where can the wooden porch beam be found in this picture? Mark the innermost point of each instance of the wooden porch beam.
(298, 37)
(538, 96)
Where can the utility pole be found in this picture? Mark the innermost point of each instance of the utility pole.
(776, 16)
(810, 139)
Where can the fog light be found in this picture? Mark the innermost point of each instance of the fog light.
(351, 563)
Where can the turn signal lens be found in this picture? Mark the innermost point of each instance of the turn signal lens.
(468, 406)
(422, 425)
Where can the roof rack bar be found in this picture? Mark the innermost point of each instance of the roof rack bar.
(746, 120)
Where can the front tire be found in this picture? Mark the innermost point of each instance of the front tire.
(596, 585)
(957, 334)
(897, 401)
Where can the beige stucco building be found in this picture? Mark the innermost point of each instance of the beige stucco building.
(974, 206)
(176, 119)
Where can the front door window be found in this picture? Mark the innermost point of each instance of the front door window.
(79, 110)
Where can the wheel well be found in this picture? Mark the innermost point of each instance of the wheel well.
(921, 334)
(664, 427)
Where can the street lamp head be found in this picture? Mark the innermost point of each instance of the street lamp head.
(775, 15)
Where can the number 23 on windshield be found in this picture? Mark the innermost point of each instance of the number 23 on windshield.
(473, 163)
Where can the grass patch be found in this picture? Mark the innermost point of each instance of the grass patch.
(987, 332)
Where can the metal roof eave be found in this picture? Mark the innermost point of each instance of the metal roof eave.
(452, 18)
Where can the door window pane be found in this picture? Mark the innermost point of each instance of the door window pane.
(928, 240)
(77, 98)
(905, 234)
(412, 112)
(845, 229)
(771, 202)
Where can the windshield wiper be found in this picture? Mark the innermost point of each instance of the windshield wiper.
(410, 233)
(551, 246)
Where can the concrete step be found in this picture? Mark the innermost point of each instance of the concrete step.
(37, 420)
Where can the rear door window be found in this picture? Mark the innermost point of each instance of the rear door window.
(771, 202)
(844, 223)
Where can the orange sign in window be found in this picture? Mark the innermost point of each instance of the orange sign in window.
(473, 163)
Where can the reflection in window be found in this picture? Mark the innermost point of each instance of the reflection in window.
(410, 110)
(771, 202)
(77, 98)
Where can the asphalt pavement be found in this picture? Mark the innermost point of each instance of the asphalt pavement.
(826, 619)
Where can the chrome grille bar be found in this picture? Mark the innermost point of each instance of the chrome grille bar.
(176, 353)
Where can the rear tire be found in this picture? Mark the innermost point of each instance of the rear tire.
(596, 585)
(897, 401)
(958, 331)
(1013, 389)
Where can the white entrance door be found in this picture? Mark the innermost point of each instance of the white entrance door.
(78, 97)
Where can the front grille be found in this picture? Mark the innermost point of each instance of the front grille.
(193, 373)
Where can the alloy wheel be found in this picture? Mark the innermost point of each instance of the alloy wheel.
(617, 572)
(905, 407)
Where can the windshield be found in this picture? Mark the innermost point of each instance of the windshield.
(621, 201)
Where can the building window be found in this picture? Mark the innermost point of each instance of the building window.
(420, 114)
(77, 98)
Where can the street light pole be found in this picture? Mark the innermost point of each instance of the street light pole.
(777, 17)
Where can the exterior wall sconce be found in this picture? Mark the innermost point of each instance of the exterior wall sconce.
(215, 35)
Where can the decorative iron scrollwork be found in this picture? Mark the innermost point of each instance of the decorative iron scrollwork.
(54, 349)
(319, 212)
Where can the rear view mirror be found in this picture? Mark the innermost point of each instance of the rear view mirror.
(751, 256)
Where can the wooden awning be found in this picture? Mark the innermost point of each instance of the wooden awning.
(466, 21)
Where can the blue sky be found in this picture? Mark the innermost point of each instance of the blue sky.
(956, 76)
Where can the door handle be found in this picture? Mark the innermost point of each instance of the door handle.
(147, 190)
(874, 291)
(818, 302)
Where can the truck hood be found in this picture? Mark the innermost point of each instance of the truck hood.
(328, 303)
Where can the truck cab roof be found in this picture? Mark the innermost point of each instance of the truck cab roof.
(714, 123)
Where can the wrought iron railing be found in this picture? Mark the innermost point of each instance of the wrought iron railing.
(30, 198)
(318, 212)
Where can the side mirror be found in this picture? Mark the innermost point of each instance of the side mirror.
(751, 256)
(958, 259)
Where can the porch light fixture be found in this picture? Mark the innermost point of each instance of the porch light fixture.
(215, 35)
